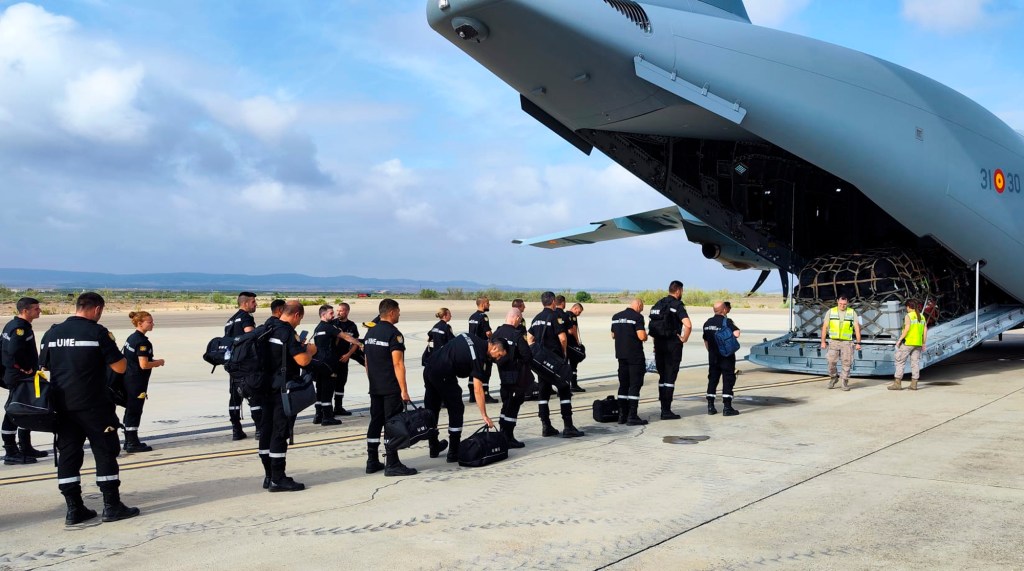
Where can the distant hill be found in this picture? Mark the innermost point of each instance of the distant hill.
(55, 279)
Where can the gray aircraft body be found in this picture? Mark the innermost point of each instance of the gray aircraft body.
(779, 151)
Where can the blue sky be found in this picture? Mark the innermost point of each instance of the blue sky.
(345, 137)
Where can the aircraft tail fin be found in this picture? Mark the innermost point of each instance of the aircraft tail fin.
(733, 8)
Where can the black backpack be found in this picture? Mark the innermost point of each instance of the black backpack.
(659, 325)
(246, 362)
(216, 350)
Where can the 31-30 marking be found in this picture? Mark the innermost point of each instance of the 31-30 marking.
(1001, 181)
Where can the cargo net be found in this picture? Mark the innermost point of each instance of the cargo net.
(874, 278)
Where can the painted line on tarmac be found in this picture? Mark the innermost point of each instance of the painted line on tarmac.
(348, 439)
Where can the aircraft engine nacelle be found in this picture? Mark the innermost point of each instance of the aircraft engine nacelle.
(732, 257)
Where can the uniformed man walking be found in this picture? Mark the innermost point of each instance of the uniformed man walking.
(910, 344)
(514, 373)
(629, 333)
(480, 326)
(239, 323)
(670, 326)
(720, 366)
(384, 349)
(465, 356)
(841, 324)
(19, 360)
(548, 331)
(347, 351)
(77, 354)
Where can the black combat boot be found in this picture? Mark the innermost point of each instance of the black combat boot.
(338, 409)
(393, 465)
(373, 463)
(328, 416)
(25, 445)
(14, 456)
(453, 447)
(568, 430)
(132, 444)
(437, 447)
(666, 403)
(265, 460)
(711, 405)
(727, 409)
(257, 420)
(77, 512)
(508, 431)
(544, 413)
(279, 482)
(633, 419)
(318, 416)
(113, 509)
(623, 410)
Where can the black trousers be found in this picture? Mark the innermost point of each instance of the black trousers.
(382, 407)
(631, 378)
(99, 426)
(724, 368)
(444, 391)
(275, 428)
(668, 354)
(325, 382)
(512, 398)
(339, 383)
(235, 405)
(133, 407)
(551, 384)
(9, 431)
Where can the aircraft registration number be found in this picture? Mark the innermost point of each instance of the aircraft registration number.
(1001, 181)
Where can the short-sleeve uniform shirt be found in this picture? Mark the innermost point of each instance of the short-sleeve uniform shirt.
(18, 348)
(479, 325)
(238, 322)
(545, 329)
(440, 334)
(380, 342)
(515, 344)
(282, 346)
(464, 357)
(673, 311)
(711, 326)
(137, 345)
(77, 353)
(570, 321)
(625, 324)
(325, 337)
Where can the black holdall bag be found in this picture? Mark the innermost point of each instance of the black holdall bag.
(606, 409)
(409, 427)
(546, 362)
(577, 353)
(30, 405)
(482, 448)
(118, 391)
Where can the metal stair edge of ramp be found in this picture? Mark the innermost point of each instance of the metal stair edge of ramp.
(875, 359)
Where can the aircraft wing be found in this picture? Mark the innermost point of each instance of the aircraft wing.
(714, 244)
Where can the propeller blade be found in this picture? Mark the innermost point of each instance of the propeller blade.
(785, 283)
(760, 281)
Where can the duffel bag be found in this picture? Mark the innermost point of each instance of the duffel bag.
(298, 395)
(115, 384)
(409, 427)
(546, 362)
(30, 405)
(577, 353)
(606, 410)
(482, 448)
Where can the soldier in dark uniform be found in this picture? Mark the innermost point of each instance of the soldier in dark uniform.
(465, 356)
(138, 353)
(328, 338)
(77, 354)
(18, 363)
(521, 306)
(282, 346)
(384, 349)
(513, 370)
(265, 431)
(441, 333)
(548, 331)
(239, 323)
(574, 343)
(480, 326)
(347, 351)
(670, 326)
(720, 366)
(629, 335)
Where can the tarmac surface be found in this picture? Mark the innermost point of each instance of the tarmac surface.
(804, 478)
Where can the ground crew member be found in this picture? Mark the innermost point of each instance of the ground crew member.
(138, 354)
(282, 346)
(519, 304)
(19, 363)
(77, 354)
(480, 326)
(263, 394)
(629, 333)
(384, 349)
(466, 356)
(911, 344)
(573, 341)
(670, 326)
(439, 335)
(548, 331)
(514, 373)
(326, 337)
(239, 323)
(841, 324)
(720, 366)
(347, 351)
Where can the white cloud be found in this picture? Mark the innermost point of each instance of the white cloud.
(271, 196)
(772, 13)
(946, 15)
(100, 105)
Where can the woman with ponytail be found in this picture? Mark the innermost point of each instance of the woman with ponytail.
(138, 351)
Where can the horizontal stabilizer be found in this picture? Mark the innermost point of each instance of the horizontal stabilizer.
(733, 7)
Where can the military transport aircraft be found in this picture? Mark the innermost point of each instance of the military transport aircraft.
(777, 151)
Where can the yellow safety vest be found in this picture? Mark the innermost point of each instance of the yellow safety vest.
(915, 335)
(840, 327)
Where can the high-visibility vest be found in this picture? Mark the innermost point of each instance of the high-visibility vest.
(840, 326)
(915, 335)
